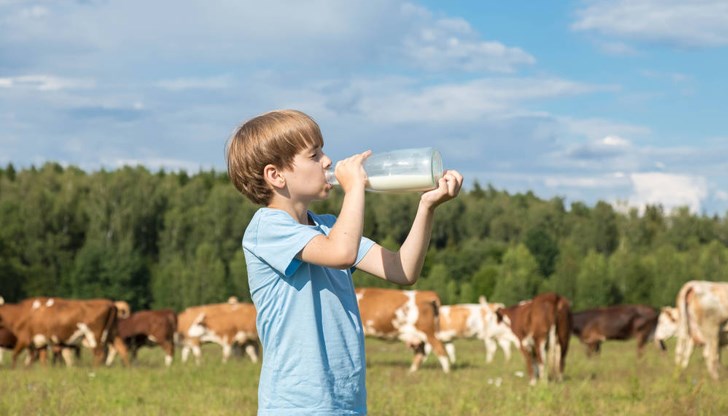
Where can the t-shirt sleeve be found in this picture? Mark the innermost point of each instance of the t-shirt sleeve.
(279, 239)
(364, 247)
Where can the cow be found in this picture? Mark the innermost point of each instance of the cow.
(225, 324)
(7, 338)
(475, 320)
(619, 322)
(543, 327)
(123, 310)
(147, 328)
(408, 315)
(42, 321)
(7, 341)
(702, 315)
(666, 323)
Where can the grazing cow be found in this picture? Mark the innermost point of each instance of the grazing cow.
(148, 328)
(224, 324)
(7, 341)
(123, 310)
(703, 313)
(41, 322)
(475, 320)
(543, 327)
(7, 338)
(408, 315)
(619, 322)
(666, 323)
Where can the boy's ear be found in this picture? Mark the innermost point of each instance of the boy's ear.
(273, 176)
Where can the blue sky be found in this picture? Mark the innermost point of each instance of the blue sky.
(620, 100)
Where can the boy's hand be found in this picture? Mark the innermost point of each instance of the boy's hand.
(350, 172)
(448, 187)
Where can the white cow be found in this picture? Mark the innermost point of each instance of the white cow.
(666, 323)
(703, 312)
(475, 320)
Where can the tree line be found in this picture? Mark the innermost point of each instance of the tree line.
(171, 239)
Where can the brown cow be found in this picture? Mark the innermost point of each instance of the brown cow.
(225, 324)
(42, 321)
(543, 326)
(7, 341)
(408, 315)
(619, 322)
(148, 328)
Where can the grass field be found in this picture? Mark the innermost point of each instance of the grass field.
(614, 384)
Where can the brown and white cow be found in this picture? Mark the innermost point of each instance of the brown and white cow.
(703, 313)
(475, 320)
(410, 316)
(666, 323)
(543, 327)
(40, 322)
(618, 322)
(225, 324)
(7, 341)
(147, 328)
(7, 338)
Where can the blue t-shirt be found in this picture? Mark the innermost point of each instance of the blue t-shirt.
(308, 321)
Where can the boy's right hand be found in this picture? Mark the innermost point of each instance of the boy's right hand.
(350, 172)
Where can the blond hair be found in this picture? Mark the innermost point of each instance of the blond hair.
(271, 138)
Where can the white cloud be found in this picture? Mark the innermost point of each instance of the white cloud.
(46, 82)
(598, 182)
(452, 44)
(721, 195)
(595, 128)
(616, 48)
(669, 190)
(694, 23)
(238, 34)
(403, 101)
(615, 141)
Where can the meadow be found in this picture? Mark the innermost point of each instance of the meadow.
(615, 383)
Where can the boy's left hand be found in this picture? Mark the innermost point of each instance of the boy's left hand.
(448, 187)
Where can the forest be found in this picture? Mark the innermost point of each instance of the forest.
(173, 239)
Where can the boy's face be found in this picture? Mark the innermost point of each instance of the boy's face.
(306, 179)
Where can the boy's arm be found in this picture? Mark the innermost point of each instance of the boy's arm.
(340, 248)
(403, 267)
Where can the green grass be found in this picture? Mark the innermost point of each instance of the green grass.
(616, 383)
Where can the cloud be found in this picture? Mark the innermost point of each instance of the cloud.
(45, 83)
(596, 128)
(608, 147)
(669, 190)
(690, 24)
(616, 48)
(244, 34)
(402, 100)
(451, 44)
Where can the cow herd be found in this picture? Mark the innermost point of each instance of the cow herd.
(64, 326)
(540, 327)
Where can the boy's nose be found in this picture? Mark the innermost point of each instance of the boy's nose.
(326, 162)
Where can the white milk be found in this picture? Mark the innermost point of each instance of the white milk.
(400, 183)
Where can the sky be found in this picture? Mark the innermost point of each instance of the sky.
(622, 101)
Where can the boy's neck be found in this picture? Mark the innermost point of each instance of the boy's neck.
(298, 212)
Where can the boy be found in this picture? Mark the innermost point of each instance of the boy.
(300, 263)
